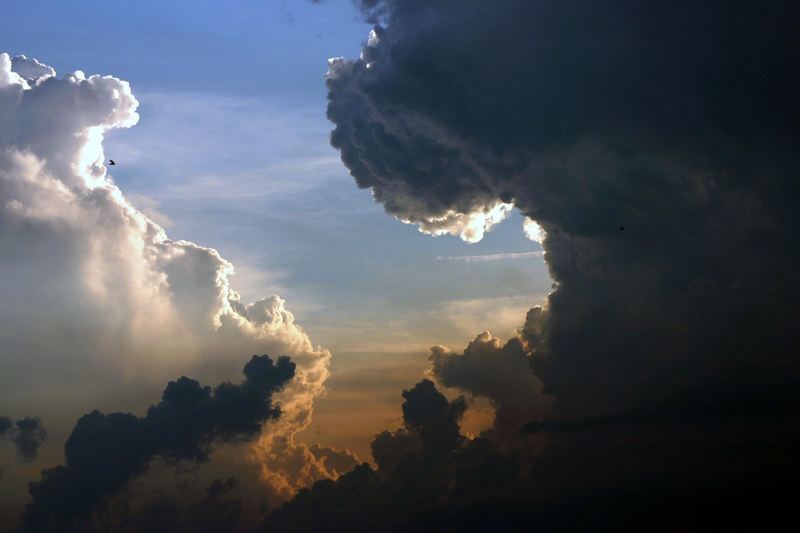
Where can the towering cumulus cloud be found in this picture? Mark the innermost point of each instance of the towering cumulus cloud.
(652, 147)
(654, 143)
(99, 307)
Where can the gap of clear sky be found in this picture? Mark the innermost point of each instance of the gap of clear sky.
(231, 151)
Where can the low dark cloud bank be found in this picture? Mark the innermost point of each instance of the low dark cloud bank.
(105, 451)
(27, 434)
(665, 362)
(670, 469)
(422, 467)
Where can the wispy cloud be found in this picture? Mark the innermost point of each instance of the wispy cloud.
(490, 257)
(233, 148)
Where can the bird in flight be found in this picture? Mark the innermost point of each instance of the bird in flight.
(111, 162)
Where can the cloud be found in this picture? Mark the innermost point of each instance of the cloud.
(31, 70)
(220, 509)
(533, 231)
(432, 417)
(389, 447)
(339, 462)
(498, 371)
(100, 305)
(288, 466)
(426, 472)
(27, 434)
(471, 227)
(667, 467)
(659, 171)
(105, 451)
(660, 176)
(489, 257)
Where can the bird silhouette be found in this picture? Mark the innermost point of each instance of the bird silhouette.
(111, 162)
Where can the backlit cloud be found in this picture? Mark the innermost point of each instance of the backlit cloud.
(99, 304)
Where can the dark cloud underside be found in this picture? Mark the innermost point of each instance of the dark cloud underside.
(105, 451)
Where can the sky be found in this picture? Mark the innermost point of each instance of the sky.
(461, 265)
(231, 151)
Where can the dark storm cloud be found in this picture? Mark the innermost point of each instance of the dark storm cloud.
(776, 398)
(678, 121)
(668, 469)
(432, 417)
(425, 466)
(221, 510)
(27, 434)
(669, 348)
(498, 371)
(105, 451)
(389, 447)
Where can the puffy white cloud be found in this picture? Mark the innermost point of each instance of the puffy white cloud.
(7, 76)
(533, 231)
(100, 307)
(470, 227)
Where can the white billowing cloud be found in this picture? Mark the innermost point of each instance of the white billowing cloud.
(7, 76)
(533, 231)
(99, 304)
(470, 227)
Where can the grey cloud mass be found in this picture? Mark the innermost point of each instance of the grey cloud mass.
(104, 451)
(677, 121)
(656, 146)
(497, 371)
